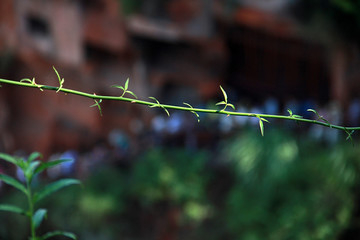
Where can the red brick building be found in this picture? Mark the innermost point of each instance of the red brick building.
(178, 49)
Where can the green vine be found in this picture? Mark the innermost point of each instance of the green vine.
(99, 98)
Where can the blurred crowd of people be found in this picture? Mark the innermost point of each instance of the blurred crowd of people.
(183, 129)
(330, 112)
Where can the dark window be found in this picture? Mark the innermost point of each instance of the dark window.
(94, 53)
(37, 26)
(265, 63)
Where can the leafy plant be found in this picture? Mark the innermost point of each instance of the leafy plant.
(125, 89)
(225, 102)
(32, 168)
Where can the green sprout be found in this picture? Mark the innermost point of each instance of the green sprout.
(293, 115)
(319, 116)
(31, 168)
(97, 104)
(196, 114)
(125, 89)
(32, 82)
(261, 124)
(225, 102)
(61, 80)
(157, 104)
(349, 135)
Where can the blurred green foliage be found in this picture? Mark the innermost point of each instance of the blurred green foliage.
(289, 189)
(278, 186)
(174, 175)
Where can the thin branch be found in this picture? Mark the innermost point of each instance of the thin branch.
(290, 117)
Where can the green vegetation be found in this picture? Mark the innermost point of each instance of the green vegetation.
(277, 186)
(250, 187)
(288, 189)
(30, 169)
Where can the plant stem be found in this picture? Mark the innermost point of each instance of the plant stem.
(174, 107)
(31, 210)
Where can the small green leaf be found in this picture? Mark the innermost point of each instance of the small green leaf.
(12, 208)
(53, 187)
(29, 171)
(61, 80)
(224, 93)
(294, 115)
(349, 137)
(167, 112)
(155, 100)
(231, 105)
(22, 164)
(261, 124)
(187, 104)
(58, 233)
(159, 105)
(39, 216)
(49, 164)
(130, 92)
(116, 86)
(312, 110)
(57, 74)
(32, 82)
(34, 156)
(221, 103)
(13, 182)
(349, 134)
(265, 120)
(196, 114)
(9, 158)
(320, 117)
(125, 88)
(126, 84)
(97, 104)
(26, 80)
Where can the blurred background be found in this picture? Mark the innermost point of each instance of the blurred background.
(149, 176)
